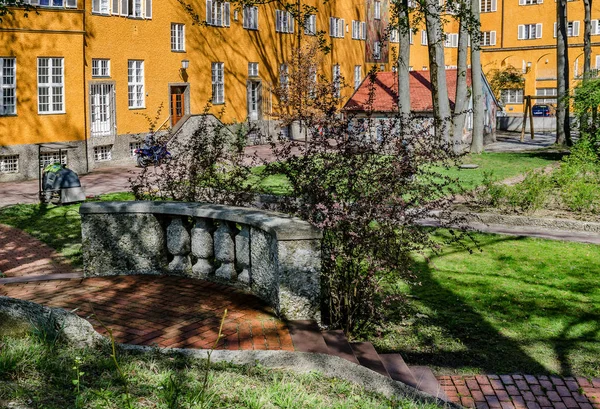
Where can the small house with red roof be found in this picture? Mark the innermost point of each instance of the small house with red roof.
(377, 97)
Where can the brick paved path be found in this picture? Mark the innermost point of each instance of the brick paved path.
(522, 392)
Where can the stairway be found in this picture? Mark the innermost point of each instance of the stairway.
(307, 337)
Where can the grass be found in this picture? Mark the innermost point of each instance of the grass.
(503, 165)
(43, 375)
(520, 305)
(57, 226)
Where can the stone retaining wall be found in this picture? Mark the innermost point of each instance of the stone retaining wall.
(272, 255)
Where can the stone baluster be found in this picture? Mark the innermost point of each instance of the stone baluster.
(202, 248)
(178, 244)
(225, 250)
(242, 255)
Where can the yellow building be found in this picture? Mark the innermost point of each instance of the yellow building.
(97, 73)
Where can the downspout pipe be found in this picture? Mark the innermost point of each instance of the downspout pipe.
(85, 115)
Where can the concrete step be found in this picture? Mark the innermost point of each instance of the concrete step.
(397, 368)
(427, 382)
(306, 337)
(339, 346)
(368, 357)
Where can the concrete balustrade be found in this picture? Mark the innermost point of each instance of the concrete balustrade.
(275, 256)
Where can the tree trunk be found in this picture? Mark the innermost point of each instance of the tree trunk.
(563, 129)
(403, 64)
(477, 84)
(461, 101)
(437, 67)
(587, 58)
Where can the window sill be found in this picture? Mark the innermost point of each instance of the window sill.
(136, 108)
(52, 113)
(178, 51)
(8, 115)
(251, 28)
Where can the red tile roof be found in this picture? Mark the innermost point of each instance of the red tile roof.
(384, 88)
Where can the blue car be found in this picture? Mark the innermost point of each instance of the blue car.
(541, 110)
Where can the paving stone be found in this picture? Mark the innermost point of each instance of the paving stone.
(507, 379)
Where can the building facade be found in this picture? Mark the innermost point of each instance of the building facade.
(98, 73)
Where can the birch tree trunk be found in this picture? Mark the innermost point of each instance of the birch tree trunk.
(461, 102)
(563, 129)
(587, 57)
(437, 67)
(403, 64)
(477, 84)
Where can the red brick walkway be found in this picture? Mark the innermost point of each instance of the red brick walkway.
(522, 392)
(145, 310)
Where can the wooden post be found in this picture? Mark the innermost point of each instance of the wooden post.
(530, 116)
(524, 125)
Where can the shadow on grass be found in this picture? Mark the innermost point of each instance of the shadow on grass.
(536, 328)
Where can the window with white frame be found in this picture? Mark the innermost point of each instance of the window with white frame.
(47, 3)
(336, 27)
(217, 13)
(284, 21)
(423, 37)
(310, 25)
(394, 36)
(512, 96)
(488, 38)
(135, 83)
(376, 50)
(572, 29)
(357, 76)
(9, 164)
(283, 75)
(377, 14)
(8, 86)
(49, 158)
(451, 40)
(102, 153)
(101, 7)
(250, 18)
(218, 82)
(253, 69)
(488, 6)
(529, 2)
(529, 31)
(359, 30)
(126, 8)
(177, 37)
(133, 146)
(51, 90)
(595, 27)
(546, 92)
(337, 80)
(100, 67)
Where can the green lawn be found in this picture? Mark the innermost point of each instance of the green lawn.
(503, 165)
(57, 226)
(520, 305)
(38, 374)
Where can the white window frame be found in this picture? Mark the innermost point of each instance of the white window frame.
(394, 35)
(310, 25)
(218, 13)
(488, 38)
(100, 68)
(9, 163)
(250, 17)
(69, 4)
(177, 37)
(336, 27)
(103, 153)
(530, 2)
(52, 85)
(218, 82)
(136, 94)
(529, 31)
(133, 146)
(337, 80)
(376, 50)
(451, 40)
(253, 69)
(377, 10)
(512, 96)
(357, 76)
(101, 7)
(595, 27)
(8, 86)
(284, 22)
(546, 92)
(423, 37)
(283, 75)
(49, 158)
